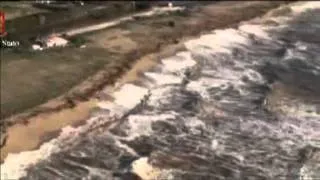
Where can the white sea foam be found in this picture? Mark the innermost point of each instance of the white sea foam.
(145, 170)
(254, 76)
(220, 41)
(257, 30)
(158, 96)
(126, 99)
(302, 7)
(194, 125)
(141, 124)
(178, 63)
(126, 147)
(230, 35)
(214, 144)
(301, 46)
(200, 87)
(15, 164)
(130, 95)
(162, 79)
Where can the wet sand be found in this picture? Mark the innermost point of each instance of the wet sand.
(27, 137)
(23, 137)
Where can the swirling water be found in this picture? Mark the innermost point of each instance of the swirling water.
(210, 112)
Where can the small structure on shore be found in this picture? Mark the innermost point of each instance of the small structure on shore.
(53, 41)
(49, 42)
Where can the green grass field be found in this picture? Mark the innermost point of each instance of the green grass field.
(13, 9)
(32, 78)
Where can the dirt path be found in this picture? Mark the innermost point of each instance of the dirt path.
(118, 21)
(27, 137)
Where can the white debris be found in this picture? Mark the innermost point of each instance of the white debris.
(37, 47)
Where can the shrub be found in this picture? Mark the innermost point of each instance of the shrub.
(77, 41)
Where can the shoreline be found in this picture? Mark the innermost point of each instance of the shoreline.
(143, 63)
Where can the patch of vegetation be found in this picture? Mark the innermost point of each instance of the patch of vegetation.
(30, 78)
(77, 41)
(183, 13)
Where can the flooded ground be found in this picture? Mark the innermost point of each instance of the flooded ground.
(238, 103)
